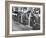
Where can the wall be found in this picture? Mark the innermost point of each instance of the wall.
(2, 19)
